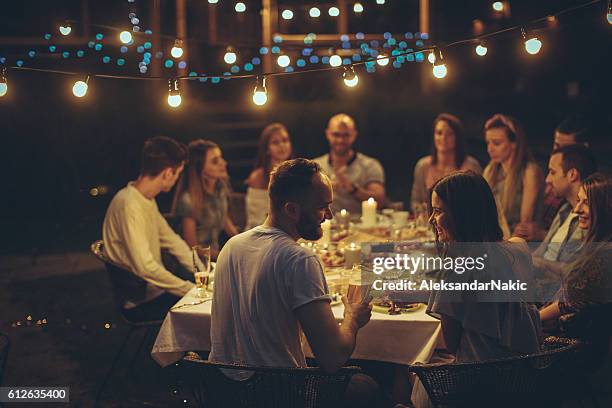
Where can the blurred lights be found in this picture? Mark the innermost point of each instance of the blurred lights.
(498, 6)
(3, 83)
(532, 44)
(358, 7)
(335, 61)
(79, 89)
(333, 11)
(609, 14)
(382, 60)
(283, 61)
(240, 7)
(380, 1)
(439, 68)
(177, 49)
(260, 93)
(213, 1)
(481, 49)
(287, 14)
(314, 12)
(125, 37)
(431, 57)
(174, 93)
(349, 77)
(230, 55)
(65, 29)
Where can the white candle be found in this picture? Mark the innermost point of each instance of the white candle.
(343, 219)
(326, 227)
(368, 212)
(352, 255)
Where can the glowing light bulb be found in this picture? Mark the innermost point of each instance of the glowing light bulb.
(213, 1)
(240, 7)
(287, 14)
(177, 49)
(382, 61)
(283, 61)
(314, 12)
(174, 94)
(351, 82)
(3, 88)
(333, 11)
(380, 1)
(439, 71)
(498, 6)
(174, 101)
(260, 93)
(609, 14)
(230, 56)
(431, 57)
(533, 46)
(335, 61)
(65, 29)
(358, 8)
(79, 89)
(481, 50)
(125, 37)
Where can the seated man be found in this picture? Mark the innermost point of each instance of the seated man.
(135, 232)
(355, 176)
(567, 168)
(267, 286)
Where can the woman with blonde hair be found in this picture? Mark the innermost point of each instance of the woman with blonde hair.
(514, 176)
(202, 196)
(274, 148)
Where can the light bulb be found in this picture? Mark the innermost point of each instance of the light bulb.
(533, 46)
(3, 83)
(349, 77)
(351, 82)
(481, 50)
(431, 57)
(287, 14)
(439, 71)
(335, 61)
(333, 11)
(260, 93)
(382, 61)
(79, 89)
(609, 14)
(177, 49)
(380, 1)
(240, 7)
(358, 8)
(174, 101)
(230, 56)
(213, 1)
(283, 61)
(174, 93)
(65, 29)
(314, 12)
(125, 37)
(498, 6)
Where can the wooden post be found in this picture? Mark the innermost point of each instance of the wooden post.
(181, 33)
(424, 28)
(156, 38)
(342, 21)
(269, 25)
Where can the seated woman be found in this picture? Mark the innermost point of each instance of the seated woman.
(476, 325)
(274, 148)
(202, 196)
(584, 304)
(515, 178)
(447, 155)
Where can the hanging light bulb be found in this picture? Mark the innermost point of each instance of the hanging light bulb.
(358, 8)
(65, 29)
(431, 57)
(498, 6)
(287, 14)
(260, 94)
(283, 61)
(333, 11)
(335, 61)
(382, 60)
(609, 14)
(349, 77)
(240, 7)
(532, 44)
(439, 68)
(174, 93)
(213, 1)
(3, 83)
(481, 49)
(230, 55)
(79, 89)
(314, 12)
(177, 49)
(380, 1)
(125, 37)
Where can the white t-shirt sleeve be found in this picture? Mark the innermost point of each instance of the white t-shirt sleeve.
(307, 282)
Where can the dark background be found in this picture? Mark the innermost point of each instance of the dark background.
(55, 148)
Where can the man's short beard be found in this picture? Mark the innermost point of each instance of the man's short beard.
(308, 228)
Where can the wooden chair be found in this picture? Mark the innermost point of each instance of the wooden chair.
(265, 387)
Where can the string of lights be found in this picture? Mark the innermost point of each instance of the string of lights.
(532, 46)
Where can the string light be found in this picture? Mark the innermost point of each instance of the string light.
(439, 68)
(79, 89)
(358, 8)
(287, 14)
(125, 37)
(174, 93)
(380, 1)
(213, 1)
(333, 11)
(431, 57)
(481, 49)
(230, 55)
(283, 61)
(349, 77)
(240, 7)
(260, 93)
(532, 44)
(335, 61)
(314, 12)
(177, 49)
(609, 14)
(382, 60)
(65, 29)
(498, 6)
(3, 83)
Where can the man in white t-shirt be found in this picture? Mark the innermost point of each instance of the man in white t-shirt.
(267, 286)
(135, 232)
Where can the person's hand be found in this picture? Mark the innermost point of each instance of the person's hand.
(359, 313)
(538, 262)
(529, 231)
(341, 181)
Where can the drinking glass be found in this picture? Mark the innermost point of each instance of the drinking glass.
(201, 268)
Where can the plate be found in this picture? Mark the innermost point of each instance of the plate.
(385, 309)
(336, 300)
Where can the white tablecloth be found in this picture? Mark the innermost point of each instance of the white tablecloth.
(405, 339)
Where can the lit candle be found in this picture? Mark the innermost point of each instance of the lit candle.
(326, 227)
(352, 255)
(368, 212)
(343, 219)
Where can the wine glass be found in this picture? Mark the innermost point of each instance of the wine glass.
(201, 268)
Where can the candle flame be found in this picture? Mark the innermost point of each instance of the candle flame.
(371, 200)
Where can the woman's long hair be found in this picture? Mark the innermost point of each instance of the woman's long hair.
(191, 179)
(455, 124)
(522, 157)
(263, 157)
(598, 188)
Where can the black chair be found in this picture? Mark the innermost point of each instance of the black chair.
(5, 345)
(265, 387)
(125, 285)
(543, 379)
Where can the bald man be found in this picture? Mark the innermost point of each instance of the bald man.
(355, 176)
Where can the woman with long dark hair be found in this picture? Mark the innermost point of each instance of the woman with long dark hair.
(202, 196)
(448, 154)
(274, 148)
